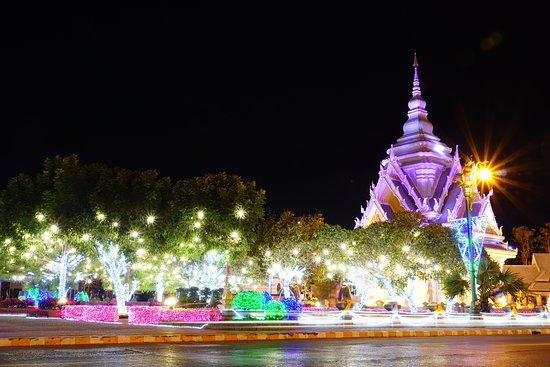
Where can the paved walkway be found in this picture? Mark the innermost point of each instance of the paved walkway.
(18, 331)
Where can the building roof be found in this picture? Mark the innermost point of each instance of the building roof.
(529, 273)
(542, 261)
(421, 173)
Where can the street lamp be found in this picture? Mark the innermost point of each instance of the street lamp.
(471, 247)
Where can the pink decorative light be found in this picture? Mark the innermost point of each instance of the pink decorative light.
(158, 314)
(319, 309)
(90, 313)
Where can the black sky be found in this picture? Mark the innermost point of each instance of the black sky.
(305, 104)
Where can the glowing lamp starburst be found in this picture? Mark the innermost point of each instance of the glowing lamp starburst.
(46, 236)
(484, 174)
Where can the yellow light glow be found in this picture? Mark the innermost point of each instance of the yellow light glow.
(40, 217)
(170, 301)
(240, 213)
(200, 214)
(85, 237)
(54, 228)
(100, 217)
(115, 224)
(399, 269)
(150, 219)
(484, 174)
(197, 224)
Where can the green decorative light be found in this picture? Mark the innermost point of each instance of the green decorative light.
(248, 300)
(275, 310)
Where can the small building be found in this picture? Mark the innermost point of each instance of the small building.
(536, 275)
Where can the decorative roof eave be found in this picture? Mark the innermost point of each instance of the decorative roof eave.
(373, 207)
(450, 177)
(404, 179)
(503, 253)
(484, 201)
(395, 191)
(460, 200)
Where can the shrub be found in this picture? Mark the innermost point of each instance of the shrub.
(248, 300)
(275, 310)
(49, 304)
(15, 303)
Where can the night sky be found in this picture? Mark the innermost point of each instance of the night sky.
(304, 104)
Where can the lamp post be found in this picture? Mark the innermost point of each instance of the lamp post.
(471, 172)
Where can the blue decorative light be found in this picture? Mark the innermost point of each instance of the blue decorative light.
(460, 227)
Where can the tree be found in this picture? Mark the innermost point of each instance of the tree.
(287, 248)
(215, 212)
(85, 209)
(543, 238)
(39, 215)
(489, 278)
(398, 252)
(525, 238)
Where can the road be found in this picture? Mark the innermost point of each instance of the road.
(479, 351)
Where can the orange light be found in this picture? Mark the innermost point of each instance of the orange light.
(484, 174)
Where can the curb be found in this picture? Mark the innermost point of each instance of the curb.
(130, 339)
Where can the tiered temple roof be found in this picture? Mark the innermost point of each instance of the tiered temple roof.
(421, 173)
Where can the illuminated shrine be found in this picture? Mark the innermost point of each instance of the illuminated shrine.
(421, 173)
